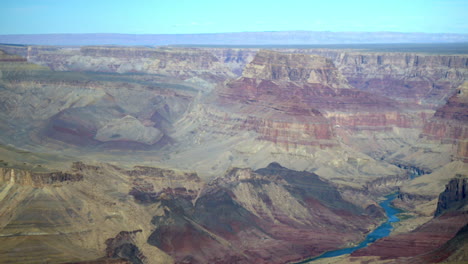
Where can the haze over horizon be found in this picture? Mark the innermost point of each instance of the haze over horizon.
(209, 16)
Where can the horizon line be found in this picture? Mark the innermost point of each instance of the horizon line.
(237, 32)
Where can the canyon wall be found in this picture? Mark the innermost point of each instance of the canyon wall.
(198, 67)
(303, 100)
(427, 79)
(265, 101)
(450, 123)
(454, 197)
(418, 78)
(310, 89)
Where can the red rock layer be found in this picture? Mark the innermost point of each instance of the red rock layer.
(450, 123)
(379, 121)
(311, 95)
(291, 94)
(283, 125)
(268, 99)
(452, 251)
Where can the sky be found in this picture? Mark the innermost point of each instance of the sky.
(219, 16)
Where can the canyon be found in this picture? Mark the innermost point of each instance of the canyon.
(132, 154)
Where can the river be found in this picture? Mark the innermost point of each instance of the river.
(382, 231)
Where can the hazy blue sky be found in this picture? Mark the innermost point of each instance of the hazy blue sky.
(211, 16)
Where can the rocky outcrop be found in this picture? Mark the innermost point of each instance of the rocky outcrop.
(411, 197)
(150, 185)
(387, 184)
(454, 197)
(412, 170)
(123, 246)
(36, 179)
(234, 58)
(290, 67)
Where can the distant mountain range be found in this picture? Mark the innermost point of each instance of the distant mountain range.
(242, 38)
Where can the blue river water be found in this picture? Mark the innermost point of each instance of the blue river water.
(382, 231)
